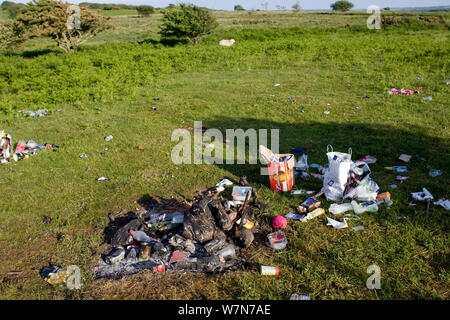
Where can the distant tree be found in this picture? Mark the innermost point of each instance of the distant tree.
(14, 10)
(238, 8)
(6, 4)
(341, 5)
(297, 7)
(171, 6)
(387, 9)
(49, 18)
(145, 10)
(188, 21)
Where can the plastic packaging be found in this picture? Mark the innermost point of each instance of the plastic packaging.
(397, 168)
(227, 252)
(434, 173)
(115, 255)
(109, 138)
(364, 207)
(422, 196)
(142, 237)
(313, 214)
(336, 208)
(270, 271)
(239, 193)
(277, 240)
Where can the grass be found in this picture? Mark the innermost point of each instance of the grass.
(108, 88)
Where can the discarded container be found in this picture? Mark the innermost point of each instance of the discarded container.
(269, 271)
(326, 112)
(444, 203)
(281, 169)
(397, 168)
(54, 275)
(239, 193)
(145, 252)
(159, 268)
(364, 207)
(311, 203)
(427, 98)
(246, 223)
(109, 138)
(313, 214)
(358, 228)
(384, 195)
(277, 240)
(103, 179)
(340, 208)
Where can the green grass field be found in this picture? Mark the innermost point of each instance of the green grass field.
(325, 61)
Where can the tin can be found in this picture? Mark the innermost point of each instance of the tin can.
(144, 252)
(269, 271)
(21, 146)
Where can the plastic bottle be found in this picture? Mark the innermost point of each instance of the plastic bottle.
(397, 168)
(336, 208)
(363, 207)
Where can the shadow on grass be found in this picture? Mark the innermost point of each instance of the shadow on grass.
(167, 42)
(30, 53)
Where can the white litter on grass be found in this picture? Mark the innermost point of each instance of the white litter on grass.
(326, 112)
(103, 179)
(422, 196)
(444, 203)
(337, 224)
(277, 85)
(227, 43)
(224, 182)
(358, 228)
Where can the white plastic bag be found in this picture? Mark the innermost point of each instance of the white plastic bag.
(5, 146)
(335, 178)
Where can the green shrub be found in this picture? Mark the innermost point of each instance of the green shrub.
(145, 10)
(341, 5)
(188, 21)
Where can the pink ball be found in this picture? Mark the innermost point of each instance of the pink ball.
(279, 222)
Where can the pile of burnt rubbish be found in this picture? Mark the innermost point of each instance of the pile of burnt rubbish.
(208, 234)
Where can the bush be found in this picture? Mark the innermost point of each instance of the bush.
(238, 8)
(14, 10)
(341, 5)
(188, 21)
(145, 10)
(48, 18)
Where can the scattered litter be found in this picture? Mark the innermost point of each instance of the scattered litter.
(422, 196)
(5, 147)
(269, 271)
(404, 157)
(277, 85)
(364, 207)
(277, 240)
(294, 216)
(56, 275)
(295, 296)
(302, 162)
(403, 91)
(397, 169)
(155, 108)
(444, 203)
(340, 208)
(419, 78)
(37, 113)
(326, 112)
(281, 169)
(427, 98)
(358, 228)
(313, 214)
(103, 179)
(224, 182)
(227, 43)
(402, 217)
(434, 173)
(317, 176)
(239, 193)
(368, 159)
(279, 222)
(46, 219)
(109, 138)
(357, 108)
(337, 224)
(366, 97)
(156, 99)
(298, 192)
(83, 156)
(393, 186)
(401, 178)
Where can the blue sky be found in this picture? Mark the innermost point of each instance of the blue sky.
(256, 4)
